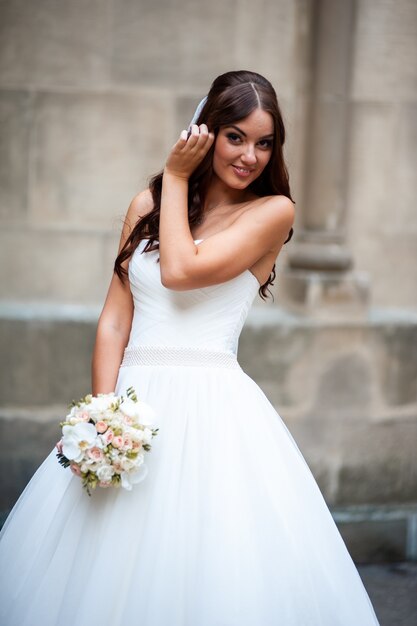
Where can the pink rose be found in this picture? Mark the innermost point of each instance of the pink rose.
(117, 442)
(108, 436)
(127, 442)
(101, 427)
(84, 415)
(75, 469)
(103, 484)
(95, 454)
(136, 445)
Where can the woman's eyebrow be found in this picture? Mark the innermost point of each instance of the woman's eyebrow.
(244, 134)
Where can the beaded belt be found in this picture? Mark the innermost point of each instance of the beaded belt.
(178, 355)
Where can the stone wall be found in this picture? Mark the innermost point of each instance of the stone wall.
(92, 96)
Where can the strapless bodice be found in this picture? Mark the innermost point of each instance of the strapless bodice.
(209, 317)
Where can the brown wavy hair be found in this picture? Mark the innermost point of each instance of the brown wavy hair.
(232, 97)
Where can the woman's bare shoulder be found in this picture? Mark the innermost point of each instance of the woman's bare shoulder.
(276, 213)
(141, 205)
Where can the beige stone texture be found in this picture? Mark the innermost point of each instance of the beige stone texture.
(385, 54)
(92, 153)
(266, 36)
(171, 43)
(52, 266)
(186, 44)
(56, 44)
(382, 220)
(15, 128)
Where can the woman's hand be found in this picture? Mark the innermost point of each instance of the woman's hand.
(189, 151)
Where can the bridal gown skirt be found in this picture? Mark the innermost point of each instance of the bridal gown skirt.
(228, 528)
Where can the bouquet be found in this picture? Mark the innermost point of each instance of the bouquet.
(104, 440)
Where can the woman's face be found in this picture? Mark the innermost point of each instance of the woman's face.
(243, 149)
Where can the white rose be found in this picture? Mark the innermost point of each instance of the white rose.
(127, 464)
(102, 402)
(105, 473)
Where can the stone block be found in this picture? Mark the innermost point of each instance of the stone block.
(382, 228)
(272, 53)
(60, 266)
(385, 53)
(345, 384)
(377, 461)
(375, 541)
(45, 362)
(15, 124)
(46, 43)
(20, 457)
(326, 295)
(270, 365)
(397, 363)
(326, 179)
(356, 460)
(178, 44)
(93, 152)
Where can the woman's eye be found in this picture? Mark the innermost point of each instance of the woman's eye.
(233, 137)
(266, 143)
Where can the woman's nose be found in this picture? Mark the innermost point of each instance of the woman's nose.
(249, 156)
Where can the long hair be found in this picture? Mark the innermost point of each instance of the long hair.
(232, 97)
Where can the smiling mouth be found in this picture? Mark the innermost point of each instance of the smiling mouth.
(242, 171)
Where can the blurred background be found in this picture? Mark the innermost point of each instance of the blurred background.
(93, 95)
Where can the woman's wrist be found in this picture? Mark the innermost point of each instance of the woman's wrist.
(175, 175)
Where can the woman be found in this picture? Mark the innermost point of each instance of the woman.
(229, 527)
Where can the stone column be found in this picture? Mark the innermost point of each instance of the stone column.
(319, 277)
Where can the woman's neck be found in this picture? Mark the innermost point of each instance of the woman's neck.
(220, 194)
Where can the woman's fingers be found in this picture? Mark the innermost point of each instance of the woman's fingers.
(189, 150)
(198, 137)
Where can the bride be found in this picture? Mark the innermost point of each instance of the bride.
(229, 527)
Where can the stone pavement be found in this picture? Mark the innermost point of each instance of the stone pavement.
(392, 588)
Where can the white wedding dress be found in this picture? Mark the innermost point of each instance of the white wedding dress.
(228, 528)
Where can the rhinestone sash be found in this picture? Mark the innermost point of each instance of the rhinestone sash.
(178, 355)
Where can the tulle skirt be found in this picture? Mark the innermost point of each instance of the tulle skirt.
(228, 528)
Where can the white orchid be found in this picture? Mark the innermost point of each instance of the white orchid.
(146, 413)
(147, 436)
(138, 410)
(132, 478)
(76, 439)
